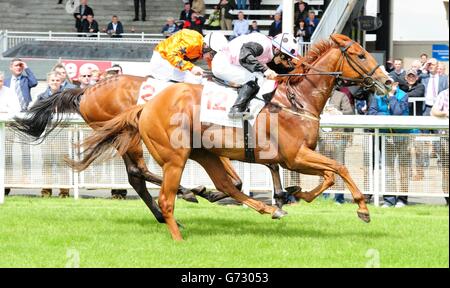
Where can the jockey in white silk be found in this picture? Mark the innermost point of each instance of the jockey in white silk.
(245, 59)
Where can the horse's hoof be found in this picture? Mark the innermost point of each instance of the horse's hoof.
(364, 216)
(278, 214)
(199, 189)
(291, 190)
(217, 196)
(189, 197)
(213, 196)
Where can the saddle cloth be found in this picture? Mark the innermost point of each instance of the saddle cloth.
(150, 88)
(217, 101)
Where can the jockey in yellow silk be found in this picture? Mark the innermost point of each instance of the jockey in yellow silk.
(173, 58)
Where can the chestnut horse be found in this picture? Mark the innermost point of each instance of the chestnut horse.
(297, 104)
(102, 102)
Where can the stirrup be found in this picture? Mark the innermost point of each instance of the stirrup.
(235, 115)
(240, 115)
(247, 116)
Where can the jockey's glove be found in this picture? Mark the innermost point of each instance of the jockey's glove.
(270, 74)
(197, 71)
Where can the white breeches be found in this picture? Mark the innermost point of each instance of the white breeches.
(223, 69)
(161, 69)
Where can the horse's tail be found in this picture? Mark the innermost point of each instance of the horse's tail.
(41, 114)
(109, 138)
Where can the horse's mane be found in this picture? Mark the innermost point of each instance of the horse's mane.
(111, 79)
(314, 53)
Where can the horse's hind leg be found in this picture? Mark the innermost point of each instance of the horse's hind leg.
(311, 162)
(233, 176)
(216, 171)
(136, 155)
(139, 185)
(172, 172)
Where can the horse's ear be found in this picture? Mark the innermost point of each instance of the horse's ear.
(340, 39)
(334, 38)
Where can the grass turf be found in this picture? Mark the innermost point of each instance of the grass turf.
(38, 232)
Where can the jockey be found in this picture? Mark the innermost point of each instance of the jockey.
(213, 43)
(245, 58)
(173, 58)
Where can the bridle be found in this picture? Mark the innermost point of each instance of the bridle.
(366, 80)
(366, 77)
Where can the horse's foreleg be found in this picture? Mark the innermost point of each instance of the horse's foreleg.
(216, 171)
(313, 194)
(314, 163)
(280, 196)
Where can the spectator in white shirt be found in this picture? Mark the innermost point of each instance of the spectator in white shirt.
(115, 28)
(8, 102)
(441, 69)
(9, 105)
(434, 84)
(440, 109)
(240, 25)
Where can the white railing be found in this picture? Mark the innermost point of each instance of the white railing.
(415, 100)
(37, 166)
(9, 39)
(13, 38)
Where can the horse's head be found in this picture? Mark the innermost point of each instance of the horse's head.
(359, 66)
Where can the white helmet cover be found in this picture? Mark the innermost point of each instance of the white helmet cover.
(215, 40)
(287, 44)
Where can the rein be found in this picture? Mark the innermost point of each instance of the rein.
(366, 80)
(302, 113)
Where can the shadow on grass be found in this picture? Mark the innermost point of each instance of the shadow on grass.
(196, 225)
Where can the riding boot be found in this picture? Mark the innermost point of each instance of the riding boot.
(245, 94)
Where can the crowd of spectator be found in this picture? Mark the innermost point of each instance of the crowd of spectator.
(15, 97)
(425, 78)
(87, 26)
(227, 15)
(230, 15)
(424, 81)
